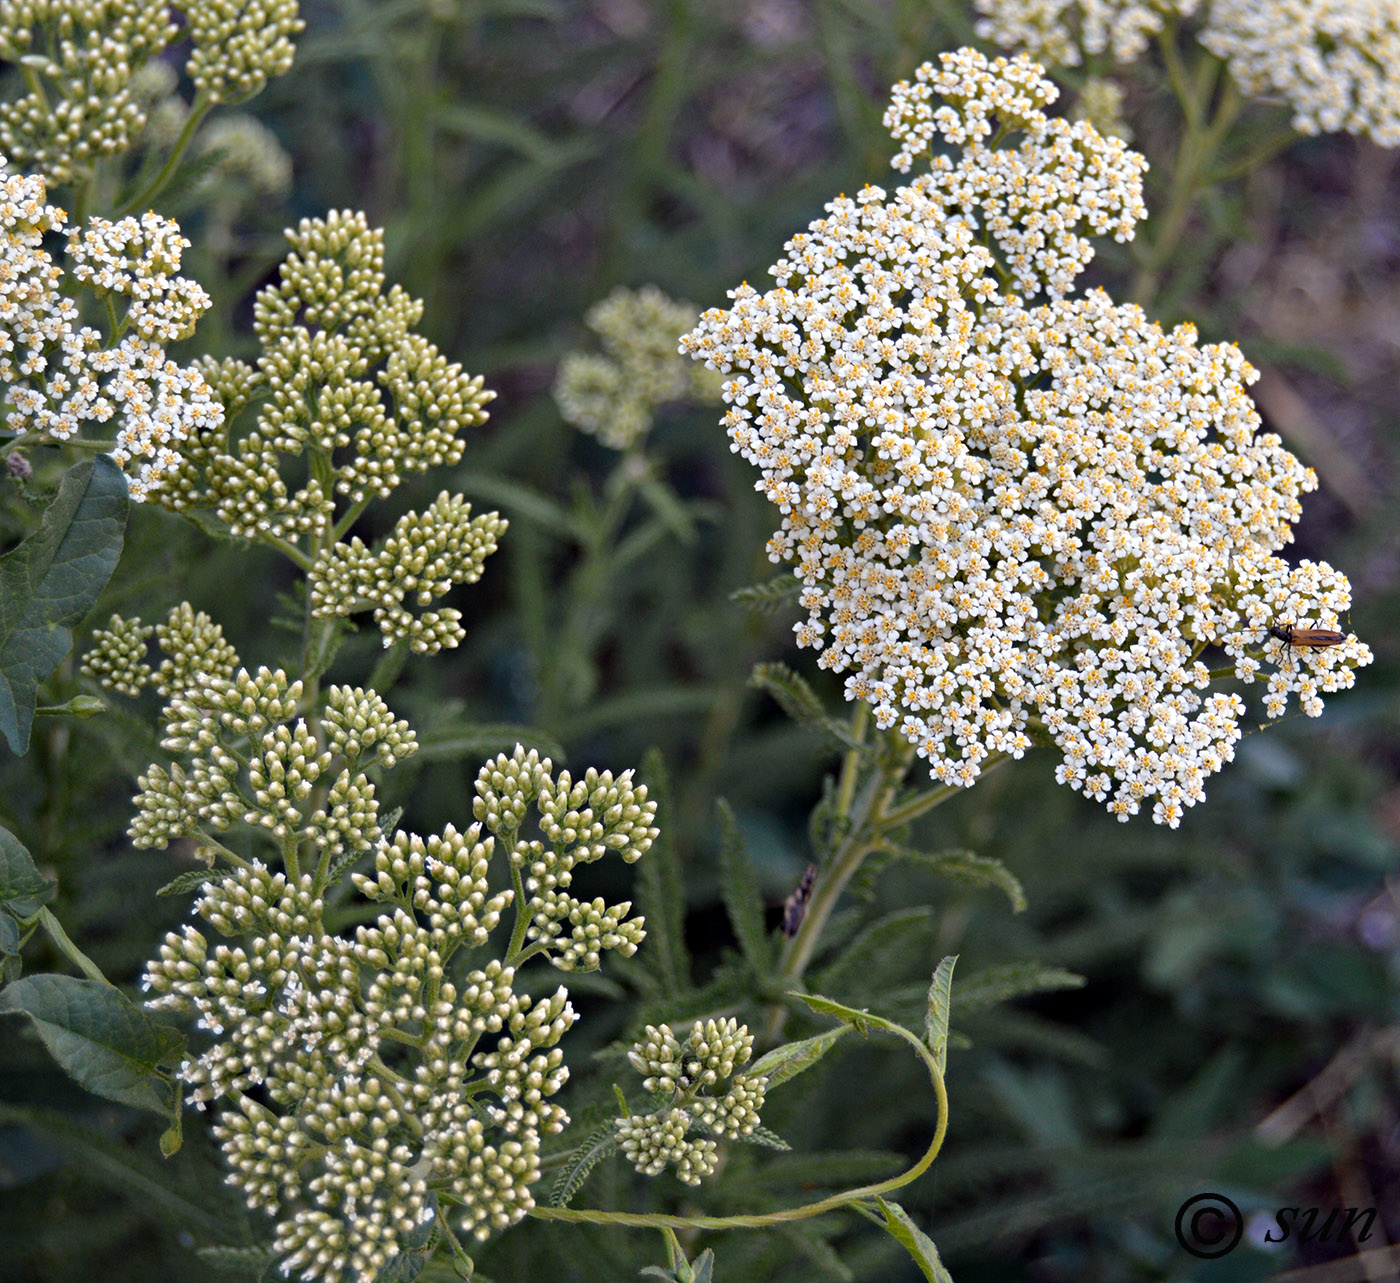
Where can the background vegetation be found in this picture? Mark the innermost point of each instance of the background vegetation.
(1239, 1029)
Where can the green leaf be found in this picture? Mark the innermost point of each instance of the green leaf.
(940, 1006)
(1013, 980)
(51, 581)
(107, 1044)
(968, 868)
(9, 936)
(669, 510)
(763, 1137)
(661, 894)
(767, 598)
(860, 1021)
(742, 900)
(789, 1060)
(479, 740)
(914, 1241)
(600, 1144)
(799, 701)
(189, 880)
(23, 889)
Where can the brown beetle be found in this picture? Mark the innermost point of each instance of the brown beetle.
(1306, 638)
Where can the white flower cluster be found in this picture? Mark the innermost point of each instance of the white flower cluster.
(140, 260)
(1038, 202)
(1017, 525)
(1062, 31)
(615, 394)
(364, 1079)
(58, 375)
(688, 1074)
(1335, 62)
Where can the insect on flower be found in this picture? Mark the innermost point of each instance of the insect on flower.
(795, 906)
(1306, 638)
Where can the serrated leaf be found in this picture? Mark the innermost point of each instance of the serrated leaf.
(789, 1060)
(106, 1043)
(799, 701)
(914, 1241)
(661, 894)
(742, 900)
(189, 880)
(600, 1143)
(940, 1006)
(968, 868)
(479, 740)
(1013, 980)
(235, 1260)
(766, 598)
(23, 889)
(764, 1138)
(51, 581)
(860, 1021)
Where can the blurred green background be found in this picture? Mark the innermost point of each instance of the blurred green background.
(1239, 1029)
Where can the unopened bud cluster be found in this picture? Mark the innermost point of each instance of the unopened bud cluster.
(425, 555)
(59, 375)
(346, 390)
(246, 758)
(580, 823)
(1018, 524)
(365, 1078)
(87, 70)
(698, 1107)
(615, 394)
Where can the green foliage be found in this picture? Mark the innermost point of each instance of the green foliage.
(51, 581)
(109, 1046)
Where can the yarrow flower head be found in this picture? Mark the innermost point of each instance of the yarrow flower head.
(615, 395)
(1018, 524)
(363, 1075)
(694, 1104)
(1335, 62)
(58, 375)
(1062, 32)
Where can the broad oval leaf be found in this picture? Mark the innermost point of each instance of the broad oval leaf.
(23, 889)
(106, 1043)
(51, 581)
